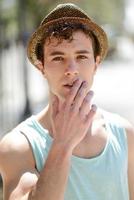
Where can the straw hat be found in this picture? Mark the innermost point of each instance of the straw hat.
(61, 14)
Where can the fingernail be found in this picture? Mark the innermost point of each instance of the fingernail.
(91, 92)
(94, 107)
(85, 83)
(77, 80)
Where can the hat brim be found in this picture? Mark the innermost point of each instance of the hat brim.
(37, 36)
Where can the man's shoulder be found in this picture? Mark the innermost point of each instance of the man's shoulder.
(116, 118)
(13, 141)
(130, 134)
(13, 148)
(121, 122)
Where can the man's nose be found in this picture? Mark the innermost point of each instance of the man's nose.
(72, 69)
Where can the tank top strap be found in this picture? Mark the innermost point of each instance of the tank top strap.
(38, 140)
(114, 124)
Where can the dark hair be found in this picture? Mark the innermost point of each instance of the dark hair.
(64, 31)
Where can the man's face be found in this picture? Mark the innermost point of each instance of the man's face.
(66, 61)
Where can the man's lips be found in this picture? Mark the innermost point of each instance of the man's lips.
(69, 84)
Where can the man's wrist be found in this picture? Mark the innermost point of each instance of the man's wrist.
(62, 148)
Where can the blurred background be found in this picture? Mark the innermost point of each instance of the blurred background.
(23, 91)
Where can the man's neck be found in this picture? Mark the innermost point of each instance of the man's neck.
(44, 118)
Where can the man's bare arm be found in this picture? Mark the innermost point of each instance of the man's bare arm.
(130, 136)
(53, 178)
(17, 166)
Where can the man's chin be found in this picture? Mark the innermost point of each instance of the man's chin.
(63, 96)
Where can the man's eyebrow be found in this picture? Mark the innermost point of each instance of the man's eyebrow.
(83, 52)
(54, 53)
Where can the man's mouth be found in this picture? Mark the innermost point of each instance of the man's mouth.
(68, 85)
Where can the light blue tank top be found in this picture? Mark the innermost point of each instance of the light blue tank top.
(99, 178)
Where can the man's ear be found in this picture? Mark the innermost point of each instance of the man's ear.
(40, 67)
(97, 63)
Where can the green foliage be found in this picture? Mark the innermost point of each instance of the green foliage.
(105, 11)
(25, 15)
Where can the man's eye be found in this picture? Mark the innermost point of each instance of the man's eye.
(81, 57)
(58, 59)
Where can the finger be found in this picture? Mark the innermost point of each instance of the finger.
(91, 114)
(26, 183)
(86, 104)
(80, 95)
(55, 106)
(73, 92)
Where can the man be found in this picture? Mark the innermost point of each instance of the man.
(71, 150)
